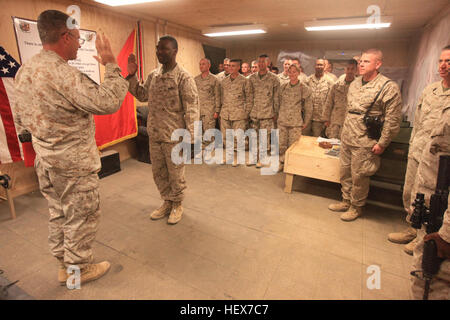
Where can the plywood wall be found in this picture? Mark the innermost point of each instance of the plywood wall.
(116, 26)
(395, 51)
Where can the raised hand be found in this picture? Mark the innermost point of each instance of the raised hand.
(104, 52)
(132, 66)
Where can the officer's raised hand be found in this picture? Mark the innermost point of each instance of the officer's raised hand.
(132, 65)
(104, 52)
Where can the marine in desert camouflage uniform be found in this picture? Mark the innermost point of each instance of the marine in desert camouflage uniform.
(336, 106)
(226, 72)
(208, 87)
(172, 98)
(359, 154)
(55, 102)
(425, 182)
(429, 110)
(265, 86)
(320, 86)
(302, 76)
(284, 76)
(236, 103)
(295, 103)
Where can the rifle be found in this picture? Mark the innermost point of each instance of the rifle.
(432, 219)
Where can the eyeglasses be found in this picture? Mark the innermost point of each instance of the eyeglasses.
(80, 40)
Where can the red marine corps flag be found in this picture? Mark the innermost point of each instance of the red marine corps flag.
(122, 125)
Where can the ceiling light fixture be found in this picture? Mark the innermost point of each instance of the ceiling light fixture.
(234, 30)
(347, 24)
(115, 3)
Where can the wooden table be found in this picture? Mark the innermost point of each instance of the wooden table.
(305, 158)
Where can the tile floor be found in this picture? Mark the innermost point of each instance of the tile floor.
(241, 237)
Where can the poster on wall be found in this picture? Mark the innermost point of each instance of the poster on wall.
(29, 44)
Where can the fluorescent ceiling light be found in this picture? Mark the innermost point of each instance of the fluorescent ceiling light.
(234, 31)
(114, 3)
(346, 24)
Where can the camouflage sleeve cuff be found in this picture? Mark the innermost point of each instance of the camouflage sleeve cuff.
(383, 143)
(112, 68)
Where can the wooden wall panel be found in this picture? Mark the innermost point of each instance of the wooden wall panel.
(395, 51)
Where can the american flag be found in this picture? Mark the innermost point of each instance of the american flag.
(10, 147)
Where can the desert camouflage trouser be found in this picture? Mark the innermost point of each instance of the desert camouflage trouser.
(74, 212)
(357, 165)
(410, 177)
(314, 128)
(208, 122)
(334, 131)
(168, 176)
(258, 124)
(288, 135)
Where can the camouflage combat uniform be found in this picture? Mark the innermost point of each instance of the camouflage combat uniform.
(222, 75)
(55, 103)
(265, 102)
(283, 78)
(428, 112)
(209, 99)
(236, 103)
(336, 108)
(303, 78)
(358, 162)
(332, 76)
(320, 89)
(295, 103)
(173, 104)
(438, 144)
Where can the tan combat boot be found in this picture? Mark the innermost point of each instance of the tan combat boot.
(341, 206)
(162, 211)
(409, 248)
(94, 271)
(62, 272)
(176, 213)
(351, 214)
(403, 237)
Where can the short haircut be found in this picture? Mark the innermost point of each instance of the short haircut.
(353, 61)
(263, 56)
(446, 48)
(275, 69)
(236, 60)
(295, 59)
(226, 59)
(209, 61)
(254, 62)
(171, 39)
(51, 24)
(377, 52)
(295, 67)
